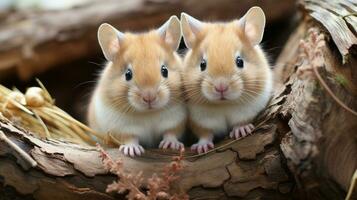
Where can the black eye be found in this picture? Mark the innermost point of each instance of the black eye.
(203, 64)
(164, 71)
(128, 75)
(239, 62)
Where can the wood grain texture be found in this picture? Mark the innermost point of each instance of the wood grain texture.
(339, 17)
(319, 145)
(77, 172)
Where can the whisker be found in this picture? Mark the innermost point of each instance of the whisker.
(84, 83)
(251, 91)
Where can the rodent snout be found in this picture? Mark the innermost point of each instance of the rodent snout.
(221, 88)
(149, 96)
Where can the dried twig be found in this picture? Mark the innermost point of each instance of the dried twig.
(352, 186)
(158, 186)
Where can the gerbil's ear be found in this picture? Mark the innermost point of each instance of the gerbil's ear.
(190, 28)
(170, 32)
(109, 40)
(253, 23)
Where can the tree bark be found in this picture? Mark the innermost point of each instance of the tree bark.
(304, 145)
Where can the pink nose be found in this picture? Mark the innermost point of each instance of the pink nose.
(149, 98)
(221, 88)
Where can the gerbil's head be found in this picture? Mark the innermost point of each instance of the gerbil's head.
(144, 74)
(225, 63)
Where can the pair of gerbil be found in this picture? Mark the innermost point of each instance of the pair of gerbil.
(146, 92)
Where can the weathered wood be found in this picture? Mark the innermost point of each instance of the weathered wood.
(319, 145)
(339, 17)
(77, 172)
(40, 40)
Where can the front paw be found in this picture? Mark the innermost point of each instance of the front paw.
(171, 141)
(132, 149)
(203, 145)
(241, 131)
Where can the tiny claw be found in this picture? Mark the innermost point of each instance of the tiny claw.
(167, 144)
(142, 150)
(211, 145)
(126, 150)
(241, 131)
(203, 145)
(170, 141)
(131, 149)
(199, 149)
(137, 151)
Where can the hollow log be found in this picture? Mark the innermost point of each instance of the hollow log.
(304, 145)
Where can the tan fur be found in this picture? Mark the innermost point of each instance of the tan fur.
(220, 42)
(180, 128)
(198, 129)
(145, 53)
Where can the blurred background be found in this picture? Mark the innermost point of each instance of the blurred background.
(55, 40)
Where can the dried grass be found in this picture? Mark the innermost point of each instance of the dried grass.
(36, 111)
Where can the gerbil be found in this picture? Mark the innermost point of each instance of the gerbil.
(227, 78)
(138, 97)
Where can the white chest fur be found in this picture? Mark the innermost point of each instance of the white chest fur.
(148, 127)
(221, 118)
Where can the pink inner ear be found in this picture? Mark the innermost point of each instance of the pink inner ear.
(169, 39)
(250, 32)
(114, 46)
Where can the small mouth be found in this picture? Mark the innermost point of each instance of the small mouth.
(222, 97)
(149, 106)
(152, 107)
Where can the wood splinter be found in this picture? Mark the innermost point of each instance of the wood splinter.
(21, 152)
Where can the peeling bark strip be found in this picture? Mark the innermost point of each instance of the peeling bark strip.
(318, 147)
(339, 17)
(53, 38)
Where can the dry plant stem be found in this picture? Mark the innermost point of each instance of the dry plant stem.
(329, 91)
(47, 133)
(47, 120)
(21, 152)
(23, 108)
(352, 186)
(47, 94)
(158, 186)
(101, 137)
(317, 40)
